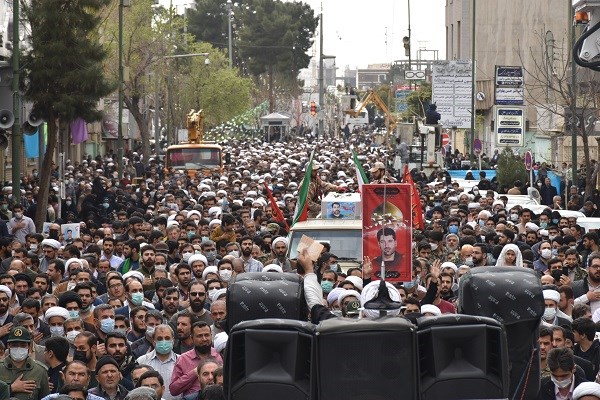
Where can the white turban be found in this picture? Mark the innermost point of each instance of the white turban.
(586, 389)
(136, 274)
(347, 293)
(551, 295)
(279, 239)
(332, 297)
(371, 291)
(6, 289)
(55, 244)
(356, 281)
(217, 293)
(71, 261)
(197, 257)
(449, 264)
(272, 268)
(220, 341)
(214, 222)
(56, 312)
(430, 308)
(209, 270)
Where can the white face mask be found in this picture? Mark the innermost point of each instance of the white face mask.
(549, 313)
(546, 253)
(434, 246)
(18, 353)
(225, 274)
(71, 335)
(561, 384)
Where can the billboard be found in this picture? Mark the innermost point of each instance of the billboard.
(452, 92)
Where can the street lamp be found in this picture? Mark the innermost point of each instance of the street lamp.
(122, 4)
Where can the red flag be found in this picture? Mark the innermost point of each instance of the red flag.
(417, 210)
(277, 213)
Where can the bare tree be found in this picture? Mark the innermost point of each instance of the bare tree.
(548, 87)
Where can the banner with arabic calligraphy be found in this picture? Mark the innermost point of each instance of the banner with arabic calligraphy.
(387, 230)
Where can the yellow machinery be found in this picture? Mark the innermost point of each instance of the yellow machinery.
(374, 98)
(195, 155)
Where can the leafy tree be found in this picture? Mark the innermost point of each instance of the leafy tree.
(510, 168)
(149, 34)
(207, 21)
(215, 88)
(276, 37)
(63, 72)
(417, 101)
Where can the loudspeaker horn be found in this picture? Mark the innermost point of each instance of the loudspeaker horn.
(3, 141)
(7, 119)
(34, 120)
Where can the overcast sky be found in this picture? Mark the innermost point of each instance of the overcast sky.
(355, 31)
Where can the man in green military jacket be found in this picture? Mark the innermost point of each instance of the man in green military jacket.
(29, 378)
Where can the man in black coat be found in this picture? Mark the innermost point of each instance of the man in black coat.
(563, 378)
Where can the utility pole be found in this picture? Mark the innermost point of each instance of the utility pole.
(473, 113)
(229, 9)
(321, 131)
(17, 135)
(573, 100)
(120, 100)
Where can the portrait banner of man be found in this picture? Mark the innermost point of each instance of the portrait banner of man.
(70, 231)
(387, 229)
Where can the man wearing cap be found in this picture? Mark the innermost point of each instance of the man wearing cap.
(109, 376)
(279, 247)
(316, 188)
(378, 174)
(29, 379)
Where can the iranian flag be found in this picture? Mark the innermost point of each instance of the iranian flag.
(301, 212)
(361, 177)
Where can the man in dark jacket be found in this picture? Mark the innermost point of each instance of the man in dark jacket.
(563, 378)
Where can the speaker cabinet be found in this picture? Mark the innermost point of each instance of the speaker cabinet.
(512, 296)
(462, 357)
(259, 295)
(270, 359)
(366, 359)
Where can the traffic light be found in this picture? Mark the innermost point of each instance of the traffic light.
(313, 108)
(406, 41)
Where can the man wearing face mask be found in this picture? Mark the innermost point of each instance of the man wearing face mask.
(209, 249)
(563, 378)
(19, 225)
(85, 345)
(135, 297)
(541, 264)
(551, 300)
(152, 319)
(29, 379)
(56, 317)
(162, 358)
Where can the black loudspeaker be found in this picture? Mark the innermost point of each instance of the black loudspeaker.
(259, 295)
(462, 357)
(270, 359)
(366, 359)
(512, 296)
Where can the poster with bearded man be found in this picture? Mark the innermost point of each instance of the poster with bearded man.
(387, 232)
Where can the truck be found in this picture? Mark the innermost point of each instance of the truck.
(343, 233)
(195, 155)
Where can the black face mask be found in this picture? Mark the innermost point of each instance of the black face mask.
(80, 355)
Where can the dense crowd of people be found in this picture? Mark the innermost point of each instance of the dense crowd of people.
(132, 305)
